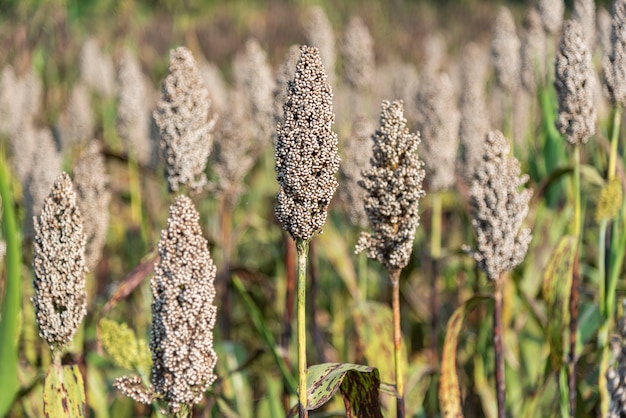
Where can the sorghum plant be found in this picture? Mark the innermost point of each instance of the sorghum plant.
(576, 121)
(498, 208)
(306, 165)
(393, 188)
(183, 317)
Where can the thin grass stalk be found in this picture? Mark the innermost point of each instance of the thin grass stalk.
(9, 322)
(497, 346)
(302, 248)
(394, 276)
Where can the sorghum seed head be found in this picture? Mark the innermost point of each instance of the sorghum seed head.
(505, 47)
(614, 63)
(573, 81)
(393, 187)
(60, 298)
(186, 122)
(183, 313)
(306, 150)
(551, 12)
(498, 208)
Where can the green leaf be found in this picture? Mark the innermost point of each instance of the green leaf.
(359, 386)
(10, 307)
(64, 392)
(449, 390)
(557, 284)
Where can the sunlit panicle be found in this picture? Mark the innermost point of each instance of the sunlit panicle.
(438, 124)
(614, 63)
(573, 81)
(255, 82)
(186, 123)
(358, 55)
(551, 12)
(44, 167)
(60, 298)
(498, 209)
(96, 68)
(320, 34)
(76, 123)
(183, 312)
(133, 111)
(505, 51)
(393, 189)
(93, 195)
(306, 150)
(585, 14)
(533, 52)
(474, 123)
(356, 156)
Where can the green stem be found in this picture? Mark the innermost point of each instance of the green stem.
(10, 319)
(302, 247)
(394, 275)
(577, 212)
(617, 118)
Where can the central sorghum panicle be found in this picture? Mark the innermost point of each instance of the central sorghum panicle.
(615, 61)
(306, 150)
(393, 187)
(185, 122)
(573, 82)
(183, 313)
(60, 298)
(498, 209)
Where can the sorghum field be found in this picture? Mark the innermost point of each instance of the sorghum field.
(286, 208)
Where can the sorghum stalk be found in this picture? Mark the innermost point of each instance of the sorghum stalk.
(302, 247)
(498, 209)
(576, 121)
(394, 188)
(306, 164)
(394, 276)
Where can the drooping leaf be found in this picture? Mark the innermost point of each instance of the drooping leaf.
(359, 387)
(64, 392)
(449, 390)
(557, 284)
